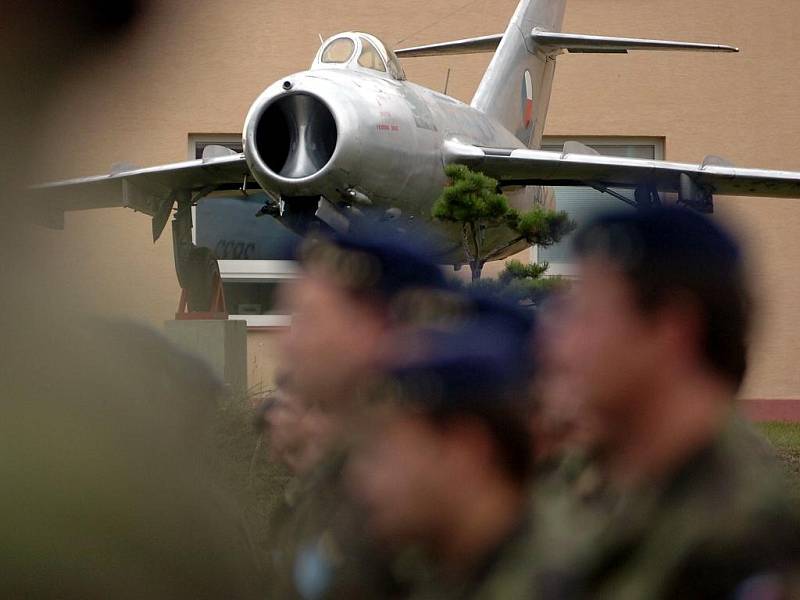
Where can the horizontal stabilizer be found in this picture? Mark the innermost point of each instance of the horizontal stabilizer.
(550, 42)
(571, 42)
(476, 45)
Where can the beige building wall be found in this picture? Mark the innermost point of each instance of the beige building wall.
(262, 358)
(195, 67)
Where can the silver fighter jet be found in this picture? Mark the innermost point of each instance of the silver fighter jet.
(352, 132)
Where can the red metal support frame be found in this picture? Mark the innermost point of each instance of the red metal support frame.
(218, 311)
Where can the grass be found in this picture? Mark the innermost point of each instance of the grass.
(785, 437)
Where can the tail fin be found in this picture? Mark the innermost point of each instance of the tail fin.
(515, 90)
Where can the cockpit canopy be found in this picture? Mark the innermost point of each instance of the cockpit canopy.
(358, 51)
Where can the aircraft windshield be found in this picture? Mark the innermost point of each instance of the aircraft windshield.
(359, 50)
(370, 57)
(339, 51)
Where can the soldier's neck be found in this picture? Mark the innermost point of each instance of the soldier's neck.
(665, 428)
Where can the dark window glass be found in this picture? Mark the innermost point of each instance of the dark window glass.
(252, 297)
(582, 203)
(227, 223)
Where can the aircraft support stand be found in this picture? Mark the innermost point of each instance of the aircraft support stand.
(201, 326)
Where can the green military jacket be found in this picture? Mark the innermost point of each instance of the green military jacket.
(504, 574)
(318, 550)
(722, 525)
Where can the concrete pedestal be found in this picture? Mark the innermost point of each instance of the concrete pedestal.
(221, 344)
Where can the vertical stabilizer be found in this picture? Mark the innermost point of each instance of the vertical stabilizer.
(515, 90)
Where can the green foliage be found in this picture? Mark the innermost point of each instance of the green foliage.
(533, 291)
(473, 200)
(544, 227)
(526, 284)
(522, 283)
(516, 270)
(785, 437)
(470, 198)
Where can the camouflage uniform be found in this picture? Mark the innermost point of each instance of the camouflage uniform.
(504, 574)
(721, 526)
(318, 550)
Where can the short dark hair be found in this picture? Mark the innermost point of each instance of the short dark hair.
(666, 252)
(374, 260)
(491, 396)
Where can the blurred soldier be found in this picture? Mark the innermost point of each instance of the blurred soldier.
(291, 429)
(310, 508)
(691, 504)
(445, 471)
(101, 443)
(346, 311)
(346, 307)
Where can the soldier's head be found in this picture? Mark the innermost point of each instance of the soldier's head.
(344, 306)
(661, 297)
(278, 418)
(452, 437)
(558, 420)
(297, 433)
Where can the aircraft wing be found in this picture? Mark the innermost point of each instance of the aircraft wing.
(580, 166)
(143, 190)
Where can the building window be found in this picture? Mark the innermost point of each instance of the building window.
(582, 203)
(198, 146)
(254, 253)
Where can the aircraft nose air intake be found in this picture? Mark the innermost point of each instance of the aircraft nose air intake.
(296, 136)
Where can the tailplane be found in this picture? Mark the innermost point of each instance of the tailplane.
(515, 90)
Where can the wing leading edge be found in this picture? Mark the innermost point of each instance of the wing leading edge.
(143, 190)
(537, 167)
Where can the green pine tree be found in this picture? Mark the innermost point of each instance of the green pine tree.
(473, 201)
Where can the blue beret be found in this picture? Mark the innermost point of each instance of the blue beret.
(483, 359)
(376, 258)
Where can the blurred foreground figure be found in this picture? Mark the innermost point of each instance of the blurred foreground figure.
(348, 306)
(297, 434)
(347, 311)
(689, 502)
(103, 442)
(103, 427)
(443, 475)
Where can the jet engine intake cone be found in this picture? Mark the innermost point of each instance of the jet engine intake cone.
(296, 136)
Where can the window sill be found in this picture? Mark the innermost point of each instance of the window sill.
(264, 321)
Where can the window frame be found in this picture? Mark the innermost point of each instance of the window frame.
(245, 271)
(366, 47)
(354, 50)
(658, 143)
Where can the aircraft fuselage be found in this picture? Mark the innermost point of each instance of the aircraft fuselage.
(356, 138)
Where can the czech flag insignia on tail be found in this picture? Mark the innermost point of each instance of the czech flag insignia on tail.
(527, 100)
